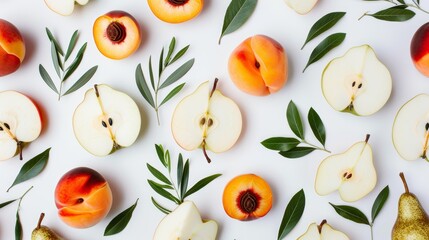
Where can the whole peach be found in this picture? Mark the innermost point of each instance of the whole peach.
(420, 49)
(12, 48)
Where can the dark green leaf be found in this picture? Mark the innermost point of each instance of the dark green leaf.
(401, 1)
(394, 14)
(379, 203)
(163, 192)
(32, 168)
(185, 178)
(161, 59)
(76, 62)
(46, 78)
(351, 213)
(142, 86)
(121, 221)
(293, 214)
(297, 152)
(179, 73)
(158, 174)
(294, 120)
(82, 80)
(179, 170)
(324, 47)
(52, 39)
(160, 208)
(200, 184)
(179, 54)
(72, 44)
(152, 79)
(160, 152)
(280, 143)
(167, 160)
(317, 126)
(18, 227)
(2, 205)
(55, 60)
(170, 52)
(172, 93)
(323, 24)
(238, 12)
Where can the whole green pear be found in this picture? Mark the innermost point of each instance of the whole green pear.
(43, 232)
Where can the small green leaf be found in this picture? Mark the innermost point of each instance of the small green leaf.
(121, 221)
(52, 39)
(237, 13)
(280, 143)
(185, 179)
(158, 174)
(160, 208)
(179, 54)
(178, 74)
(379, 203)
(292, 215)
(18, 227)
(161, 59)
(82, 80)
(324, 47)
(2, 205)
(170, 52)
(55, 60)
(72, 44)
(179, 170)
(401, 1)
(76, 62)
(351, 213)
(160, 152)
(200, 184)
(317, 126)
(167, 160)
(142, 86)
(394, 14)
(152, 79)
(297, 152)
(32, 168)
(294, 120)
(172, 93)
(323, 24)
(46, 78)
(163, 192)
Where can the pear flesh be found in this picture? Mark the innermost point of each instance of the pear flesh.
(43, 232)
(64, 7)
(322, 232)
(301, 6)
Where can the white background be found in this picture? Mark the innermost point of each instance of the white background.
(264, 117)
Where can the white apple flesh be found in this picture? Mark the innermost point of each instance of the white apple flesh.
(322, 232)
(19, 123)
(357, 82)
(106, 120)
(301, 6)
(64, 7)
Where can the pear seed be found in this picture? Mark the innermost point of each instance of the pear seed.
(110, 121)
(353, 84)
(210, 123)
(104, 124)
(203, 121)
(427, 126)
(7, 126)
(360, 85)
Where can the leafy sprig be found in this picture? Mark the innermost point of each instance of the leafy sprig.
(121, 221)
(169, 59)
(322, 25)
(292, 215)
(291, 147)
(59, 61)
(357, 216)
(401, 12)
(165, 186)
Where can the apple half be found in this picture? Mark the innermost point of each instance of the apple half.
(322, 232)
(206, 119)
(185, 223)
(106, 120)
(20, 123)
(357, 82)
(64, 7)
(352, 173)
(301, 6)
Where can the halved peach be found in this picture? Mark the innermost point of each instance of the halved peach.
(12, 48)
(176, 11)
(247, 197)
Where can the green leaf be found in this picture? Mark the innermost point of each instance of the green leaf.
(2, 205)
(142, 86)
(179, 170)
(280, 143)
(82, 80)
(200, 184)
(170, 52)
(185, 179)
(379, 203)
(317, 126)
(401, 1)
(55, 60)
(152, 79)
(76, 62)
(394, 14)
(52, 39)
(297, 152)
(121, 221)
(324, 47)
(238, 12)
(293, 214)
(46, 78)
(167, 160)
(160, 208)
(158, 174)
(32, 168)
(160, 152)
(18, 227)
(172, 93)
(161, 59)
(163, 192)
(179, 54)
(323, 24)
(294, 120)
(72, 44)
(179, 73)
(351, 213)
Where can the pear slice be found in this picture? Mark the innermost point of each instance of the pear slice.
(352, 173)
(185, 223)
(322, 232)
(64, 7)
(106, 120)
(410, 132)
(206, 119)
(357, 82)
(301, 6)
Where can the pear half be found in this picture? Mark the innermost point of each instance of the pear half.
(352, 173)
(322, 232)
(64, 7)
(410, 132)
(106, 120)
(357, 82)
(206, 119)
(301, 6)
(185, 223)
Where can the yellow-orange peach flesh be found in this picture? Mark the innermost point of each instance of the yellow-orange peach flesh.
(176, 11)
(12, 48)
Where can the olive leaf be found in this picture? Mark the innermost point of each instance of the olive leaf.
(82, 80)
(2, 205)
(72, 44)
(292, 214)
(394, 14)
(324, 47)
(121, 221)
(323, 24)
(18, 227)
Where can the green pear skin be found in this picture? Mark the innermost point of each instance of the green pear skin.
(43, 232)
(412, 222)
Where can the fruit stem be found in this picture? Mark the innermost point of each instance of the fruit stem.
(39, 223)
(214, 87)
(404, 181)
(205, 152)
(367, 138)
(321, 225)
(363, 15)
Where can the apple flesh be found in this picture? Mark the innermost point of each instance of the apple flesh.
(322, 232)
(64, 7)
(357, 82)
(20, 123)
(419, 49)
(106, 120)
(301, 6)
(12, 48)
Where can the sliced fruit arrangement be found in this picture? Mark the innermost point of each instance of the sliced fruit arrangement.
(357, 82)
(64, 7)
(106, 120)
(117, 34)
(352, 173)
(12, 48)
(419, 49)
(20, 123)
(301, 6)
(206, 119)
(176, 11)
(323, 231)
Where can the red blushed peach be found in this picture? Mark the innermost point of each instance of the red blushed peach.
(247, 197)
(420, 49)
(83, 197)
(176, 11)
(117, 34)
(259, 66)
(12, 48)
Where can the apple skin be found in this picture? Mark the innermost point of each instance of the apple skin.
(12, 48)
(420, 49)
(83, 197)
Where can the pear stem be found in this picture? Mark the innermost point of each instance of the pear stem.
(214, 87)
(205, 152)
(321, 225)
(367, 138)
(404, 181)
(39, 223)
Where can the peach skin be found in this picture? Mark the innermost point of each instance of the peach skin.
(12, 48)
(420, 49)
(259, 66)
(176, 11)
(83, 197)
(247, 197)
(117, 34)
